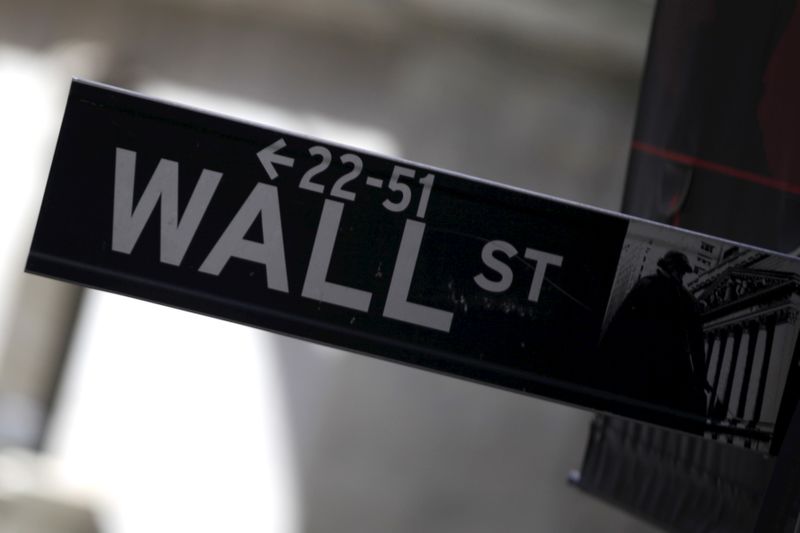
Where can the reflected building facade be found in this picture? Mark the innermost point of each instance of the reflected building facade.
(751, 306)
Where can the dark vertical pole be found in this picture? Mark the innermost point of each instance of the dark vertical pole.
(777, 514)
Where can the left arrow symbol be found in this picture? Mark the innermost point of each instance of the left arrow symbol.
(269, 158)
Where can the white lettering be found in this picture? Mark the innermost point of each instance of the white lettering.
(263, 202)
(316, 286)
(543, 259)
(491, 261)
(397, 304)
(176, 232)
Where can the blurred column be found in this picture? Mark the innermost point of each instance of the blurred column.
(33, 358)
(37, 315)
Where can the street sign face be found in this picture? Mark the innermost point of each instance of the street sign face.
(418, 265)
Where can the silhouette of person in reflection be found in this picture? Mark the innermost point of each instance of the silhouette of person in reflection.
(653, 348)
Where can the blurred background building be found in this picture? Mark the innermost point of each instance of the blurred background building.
(203, 426)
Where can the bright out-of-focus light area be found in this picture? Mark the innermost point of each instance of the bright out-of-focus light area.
(120, 416)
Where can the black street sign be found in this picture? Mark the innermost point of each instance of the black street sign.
(418, 265)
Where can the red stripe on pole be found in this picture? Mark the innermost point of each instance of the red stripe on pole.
(719, 168)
